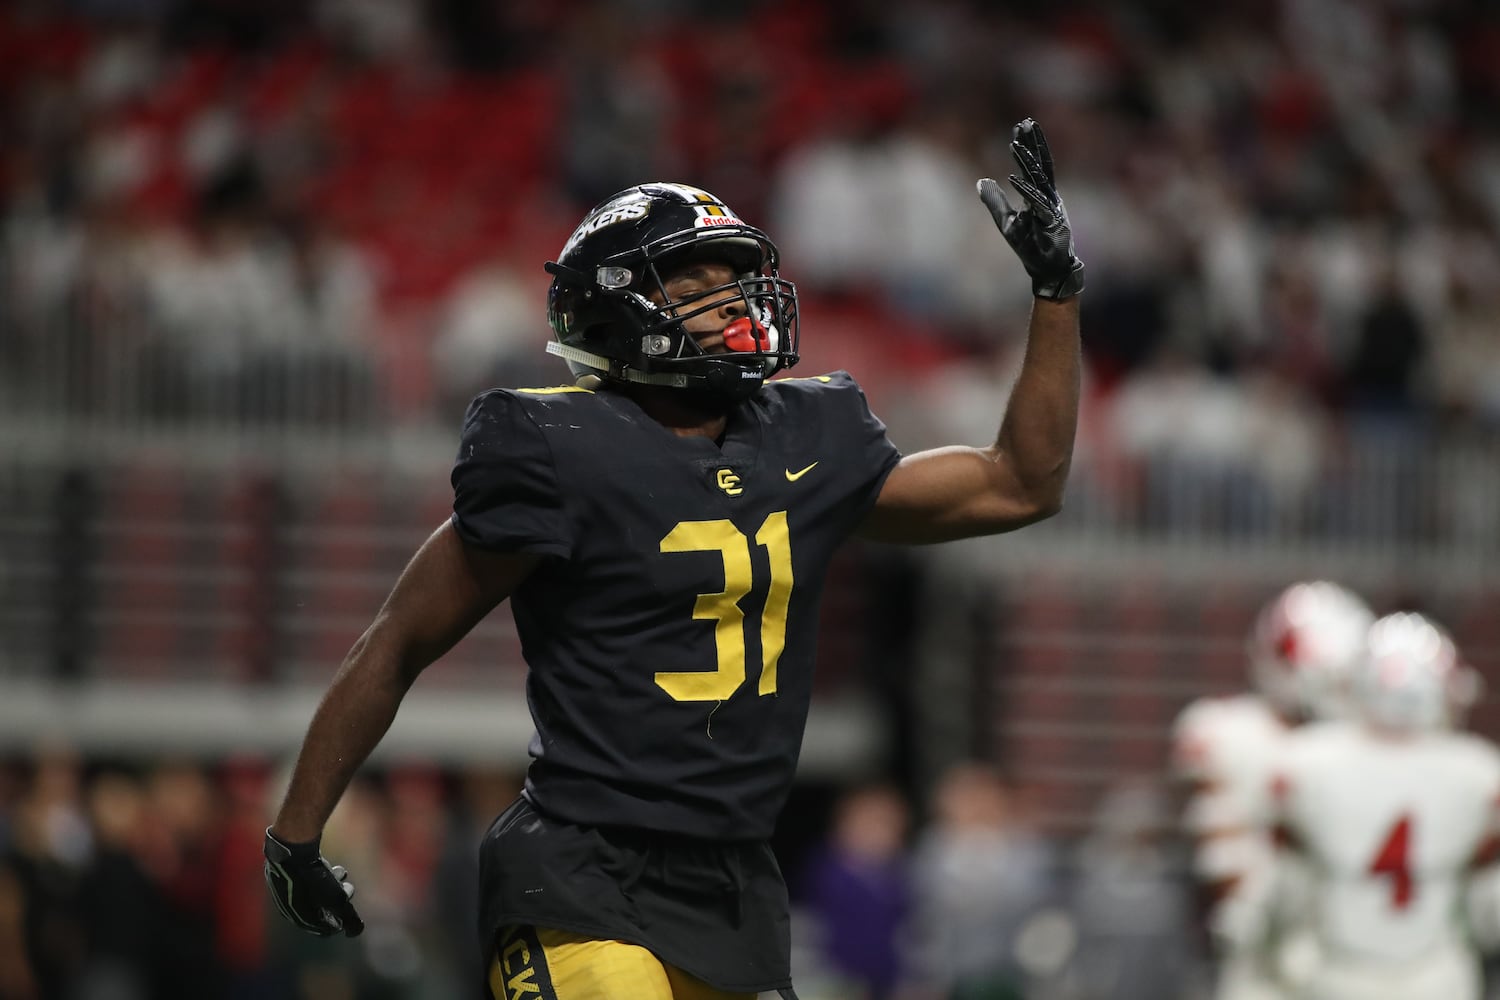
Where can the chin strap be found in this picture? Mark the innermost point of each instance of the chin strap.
(582, 357)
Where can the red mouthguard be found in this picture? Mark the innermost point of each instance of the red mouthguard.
(745, 334)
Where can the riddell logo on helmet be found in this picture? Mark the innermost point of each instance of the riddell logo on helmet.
(717, 220)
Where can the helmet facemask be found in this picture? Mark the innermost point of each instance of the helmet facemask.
(614, 317)
(752, 341)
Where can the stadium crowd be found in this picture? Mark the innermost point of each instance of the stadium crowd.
(140, 880)
(1290, 216)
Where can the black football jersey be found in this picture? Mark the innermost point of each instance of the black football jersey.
(670, 638)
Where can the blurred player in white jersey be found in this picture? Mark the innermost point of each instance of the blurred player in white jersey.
(1301, 649)
(1382, 820)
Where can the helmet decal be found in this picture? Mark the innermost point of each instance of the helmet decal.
(1303, 646)
(706, 221)
(627, 209)
(1287, 646)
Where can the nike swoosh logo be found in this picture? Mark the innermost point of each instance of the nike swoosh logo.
(792, 477)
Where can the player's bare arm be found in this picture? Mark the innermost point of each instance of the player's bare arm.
(958, 492)
(443, 593)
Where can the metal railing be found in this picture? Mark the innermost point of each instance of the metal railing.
(86, 374)
(163, 521)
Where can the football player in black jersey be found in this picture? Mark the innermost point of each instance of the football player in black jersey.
(662, 529)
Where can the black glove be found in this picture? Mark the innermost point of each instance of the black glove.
(1038, 233)
(311, 895)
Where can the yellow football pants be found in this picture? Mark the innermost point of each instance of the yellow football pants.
(537, 963)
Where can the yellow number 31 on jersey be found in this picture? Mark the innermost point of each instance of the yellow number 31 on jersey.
(723, 608)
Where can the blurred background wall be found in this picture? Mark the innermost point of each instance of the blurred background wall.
(255, 257)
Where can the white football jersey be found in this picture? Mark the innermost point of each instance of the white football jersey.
(1389, 828)
(1225, 749)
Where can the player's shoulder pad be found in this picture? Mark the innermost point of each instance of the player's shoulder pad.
(836, 396)
(1331, 740)
(813, 386)
(830, 380)
(494, 410)
(494, 403)
(506, 494)
(1193, 738)
(1215, 712)
(550, 396)
(1484, 752)
(1196, 713)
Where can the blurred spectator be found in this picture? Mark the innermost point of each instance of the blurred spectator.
(218, 299)
(184, 816)
(825, 202)
(979, 872)
(1215, 450)
(881, 196)
(323, 356)
(944, 267)
(374, 31)
(1127, 221)
(1466, 356)
(240, 907)
(492, 333)
(129, 952)
(12, 788)
(1131, 903)
(1383, 372)
(260, 324)
(482, 794)
(857, 886)
(17, 981)
(1297, 341)
(620, 105)
(51, 848)
(415, 834)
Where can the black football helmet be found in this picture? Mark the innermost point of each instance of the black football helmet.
(607, 326)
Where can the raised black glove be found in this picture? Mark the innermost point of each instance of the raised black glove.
(1039, 232)
(310, 894)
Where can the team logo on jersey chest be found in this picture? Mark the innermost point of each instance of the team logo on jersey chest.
(726, 480)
